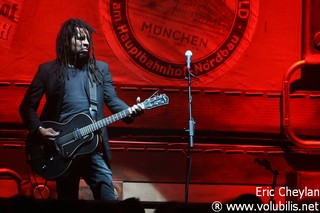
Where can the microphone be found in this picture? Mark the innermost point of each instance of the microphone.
(188, 54)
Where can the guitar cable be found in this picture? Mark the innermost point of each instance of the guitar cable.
(36, 187)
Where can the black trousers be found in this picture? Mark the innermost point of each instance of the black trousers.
(95, 172)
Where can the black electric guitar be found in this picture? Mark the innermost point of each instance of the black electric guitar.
(53, 159)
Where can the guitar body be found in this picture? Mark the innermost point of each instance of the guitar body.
(53, 159)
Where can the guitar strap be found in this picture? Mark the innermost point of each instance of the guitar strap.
(93, 100)
(94, 108)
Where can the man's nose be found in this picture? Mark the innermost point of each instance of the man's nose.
(85, 43)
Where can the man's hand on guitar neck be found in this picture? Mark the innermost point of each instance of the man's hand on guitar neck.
(137, 109)
(48, 133)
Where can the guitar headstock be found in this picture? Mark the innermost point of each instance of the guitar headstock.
(156, 101)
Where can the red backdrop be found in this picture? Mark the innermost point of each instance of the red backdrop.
(271, 39)
(241, 50)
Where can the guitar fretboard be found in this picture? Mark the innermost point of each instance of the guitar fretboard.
(104, 122)
(147, 104)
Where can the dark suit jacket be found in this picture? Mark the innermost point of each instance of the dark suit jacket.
(46, 83)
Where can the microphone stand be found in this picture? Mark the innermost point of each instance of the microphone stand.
(191, 134)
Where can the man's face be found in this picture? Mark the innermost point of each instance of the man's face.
(79, 44)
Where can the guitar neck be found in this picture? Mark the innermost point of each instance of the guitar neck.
(104, 122)
(149, 103)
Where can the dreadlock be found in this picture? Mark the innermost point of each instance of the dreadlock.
(63, 46)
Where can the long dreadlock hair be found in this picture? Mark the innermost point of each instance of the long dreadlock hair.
(63, 48)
